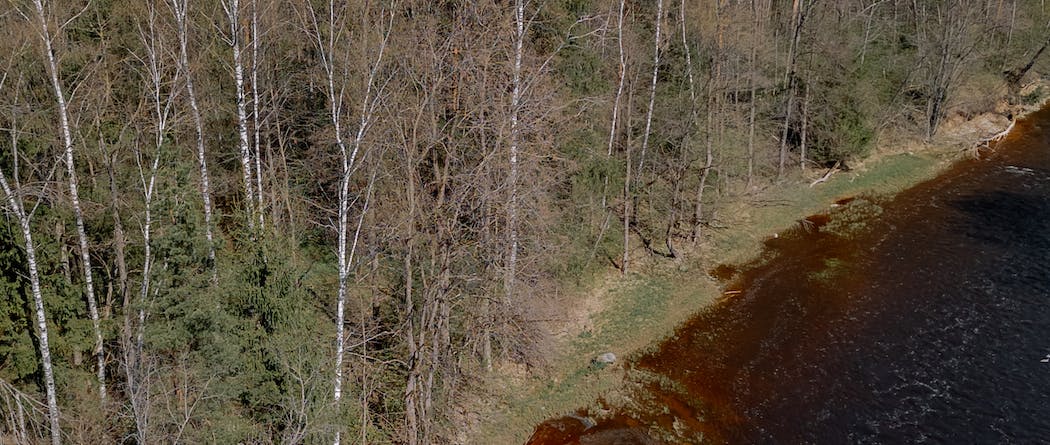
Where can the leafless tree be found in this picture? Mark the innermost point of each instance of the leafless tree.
(43, 21)
(232, 8)
(180, 13)
(327, 30)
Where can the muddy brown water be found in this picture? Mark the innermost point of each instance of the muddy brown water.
(927, 322)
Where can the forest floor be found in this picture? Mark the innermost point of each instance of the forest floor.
(627, 315)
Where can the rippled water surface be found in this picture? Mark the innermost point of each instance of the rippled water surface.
(928, 323)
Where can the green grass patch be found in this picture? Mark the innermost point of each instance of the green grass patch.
(642, 309)
(744, 225)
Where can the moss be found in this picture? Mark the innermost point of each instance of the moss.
(852, 219)
(832, 267)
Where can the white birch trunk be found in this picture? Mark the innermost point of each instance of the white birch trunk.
(621, 78)
(15, 205)
(179, 8)
(161, 108)
(515, 136)
(233, 14)
(326, 46)
(255, 115)
(652, 89)
(620, 82)
(74, 196)
(615, 115)
(688, 63)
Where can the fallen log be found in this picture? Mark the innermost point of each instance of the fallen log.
(827, 175)
(986, 142)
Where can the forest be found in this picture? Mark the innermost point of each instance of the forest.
(321, 221)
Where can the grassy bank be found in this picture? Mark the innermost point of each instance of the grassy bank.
(629, 314)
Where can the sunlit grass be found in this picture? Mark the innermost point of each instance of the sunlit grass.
(641, 309)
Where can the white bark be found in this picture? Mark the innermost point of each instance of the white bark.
(622, 75)
(15, 205)
(179, 9)
(621, 78)
(515, 140)
(74, 194)
(233, 15)
(255, 114)
(652, 88)
(327, 46)
(161, 107)
(688, 64)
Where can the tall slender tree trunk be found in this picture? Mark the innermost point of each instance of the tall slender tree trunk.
(74, 195)
(180, 11)
(789, 79)
(751, 86)
(233, 15)
(619, 86)
(162, 108)
(805, 123)
(515, 139)
(134, 349)
(326, 44)
(652, 89)
(613, 126)
(712, 105)
(256, 117)
(14, 204)
(412, 383)
(628, 205)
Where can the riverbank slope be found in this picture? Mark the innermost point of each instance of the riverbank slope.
(627, 314)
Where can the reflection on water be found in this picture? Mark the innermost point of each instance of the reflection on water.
(926, 324)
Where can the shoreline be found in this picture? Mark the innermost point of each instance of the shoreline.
(627, 315)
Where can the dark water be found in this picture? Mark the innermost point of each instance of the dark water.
(925, 324)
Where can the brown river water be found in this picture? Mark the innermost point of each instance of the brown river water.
(921, 319)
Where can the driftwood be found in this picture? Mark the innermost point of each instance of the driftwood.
(986, 142)
(831, 171)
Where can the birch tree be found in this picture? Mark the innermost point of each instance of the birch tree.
(159, 85)
(232, 8)
(256, 116)
(327, 29)
(652, 86)
(180, 13)
(621, 78)
(43, 19)
(713, 83)
(16, 205)
(629, 194)
(752, 87)
(515, 141)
